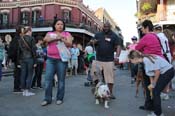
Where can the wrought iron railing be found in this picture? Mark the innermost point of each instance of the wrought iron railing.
(48, 23)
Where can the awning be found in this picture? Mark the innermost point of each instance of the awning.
(47, 29)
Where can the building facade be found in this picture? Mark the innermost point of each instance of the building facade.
(104, 16)
(39, 14)
(164, 13)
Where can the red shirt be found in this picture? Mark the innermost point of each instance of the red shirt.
(149, 44)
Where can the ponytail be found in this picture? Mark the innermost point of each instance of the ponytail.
(150, 57)
(136, 54)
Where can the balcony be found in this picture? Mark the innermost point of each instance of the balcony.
(30, 3)
(48, 23)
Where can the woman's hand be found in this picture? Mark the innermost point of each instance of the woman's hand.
(59, 38)
(151, 86)
(19, 66)
(34, 65)
(67, 40)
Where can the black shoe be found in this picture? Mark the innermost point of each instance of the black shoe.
(146, 108)
(17, 91)
(112, 96)
(34, 87)
(40, 87)
(87, 84)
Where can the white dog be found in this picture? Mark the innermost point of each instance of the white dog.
(102, 93)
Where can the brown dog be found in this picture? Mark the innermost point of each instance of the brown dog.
(139, 79)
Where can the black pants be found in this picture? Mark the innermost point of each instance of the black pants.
(134, 70)
(80, 64)
(148, 101)
(38, 75)
(16, 74)
(162, 82)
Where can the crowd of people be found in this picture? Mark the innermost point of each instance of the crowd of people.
(153, 54)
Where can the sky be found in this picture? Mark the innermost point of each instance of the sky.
(122, 11)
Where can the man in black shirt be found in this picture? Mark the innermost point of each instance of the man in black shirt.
(107, 42)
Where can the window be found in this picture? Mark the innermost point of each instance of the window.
(25, 16)
(66, 16)
(95, 27)
(83, 19)
(89, 22)
(4, 19)
(35, 16)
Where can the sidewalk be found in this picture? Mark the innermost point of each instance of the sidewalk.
(7, 72)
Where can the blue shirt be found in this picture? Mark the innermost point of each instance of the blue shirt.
(74, 53)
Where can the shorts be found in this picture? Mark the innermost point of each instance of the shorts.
(108, 71)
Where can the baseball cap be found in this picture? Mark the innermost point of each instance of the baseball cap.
(134, 38)
(157, 27)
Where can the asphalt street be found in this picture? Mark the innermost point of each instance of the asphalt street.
(78, 101)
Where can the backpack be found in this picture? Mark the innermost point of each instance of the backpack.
(13, 49)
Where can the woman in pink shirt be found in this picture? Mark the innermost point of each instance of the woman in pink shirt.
(54, 64)
(134, 67)
(148, 44)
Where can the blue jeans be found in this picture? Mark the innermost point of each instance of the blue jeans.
(55, 66)
(26, 73)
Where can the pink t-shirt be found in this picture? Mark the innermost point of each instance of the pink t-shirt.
(132, 46)
(149, 44)
(52, 50)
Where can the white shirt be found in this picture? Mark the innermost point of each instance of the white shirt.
(165, 44)
(89, 49)
(159, 64)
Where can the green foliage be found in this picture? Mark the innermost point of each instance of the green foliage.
(137, 14)
(146, 7)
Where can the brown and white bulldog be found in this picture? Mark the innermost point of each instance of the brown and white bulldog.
(102, 94)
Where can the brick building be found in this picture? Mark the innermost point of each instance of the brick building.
(39, 14)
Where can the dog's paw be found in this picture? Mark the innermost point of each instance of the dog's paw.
(106, 106)
(97, 101)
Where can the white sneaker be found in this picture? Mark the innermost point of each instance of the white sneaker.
(164, 96)
(153, 114)
(24, 93)
(29, 93)
(59, 102)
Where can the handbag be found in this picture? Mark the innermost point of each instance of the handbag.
(63, 51)
(26, 44)
(28, 47)
(123, 57)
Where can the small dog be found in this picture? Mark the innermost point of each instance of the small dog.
(102, 93)
(139, 79)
